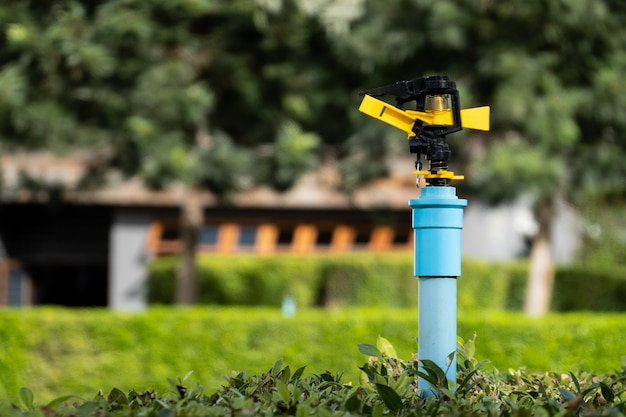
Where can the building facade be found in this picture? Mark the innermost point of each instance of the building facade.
(93, 249)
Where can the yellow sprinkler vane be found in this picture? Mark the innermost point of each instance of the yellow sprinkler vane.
(437, 114)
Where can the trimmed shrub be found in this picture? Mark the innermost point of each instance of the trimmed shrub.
(583, 288)
(60, 351)
(359, 279)
(365, 279)
(240, 280)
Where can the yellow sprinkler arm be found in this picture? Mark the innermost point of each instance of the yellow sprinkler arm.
(476, 118)
(473, 118)
(387, 113)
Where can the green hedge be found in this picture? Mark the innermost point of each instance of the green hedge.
(347, 280)
(595, 289)
(364, 279)
(60, 351)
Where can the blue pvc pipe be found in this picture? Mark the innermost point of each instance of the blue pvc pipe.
(436, 336)
(437, 224)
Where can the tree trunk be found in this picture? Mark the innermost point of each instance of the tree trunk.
(541, 270)
(191, 220)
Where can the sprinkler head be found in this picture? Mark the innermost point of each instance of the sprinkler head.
(437, 114)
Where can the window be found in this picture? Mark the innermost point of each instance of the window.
(15, 296)
(247, 236)
(402, 237)
(324, 238)
(362, 239)
(285, 237)
(208, 235)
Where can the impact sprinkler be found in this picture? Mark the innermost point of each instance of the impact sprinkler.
(438, 212)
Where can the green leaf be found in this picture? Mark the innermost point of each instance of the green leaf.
(401, 384)
(428, 378)
(278, 365)
(378, 410)
(187, 375)
(88, 408)
(327, 376)
(449, 359)
(283, 391)
(353, 404)
(542, 390)
(386, 347)
(303, 410)
(470, 348)
(298, 373)
(369, 350)
(607, 392)
(391, 398)
(323, 412)
(60, 400)
(383, 370)
(368, 371)
(26, 398)
(433, 369)
(167, 413)
(117, 395)
(364, 378)
(173, 385)
(466, 380)
(575, 381)
(285, 374)
(567, 395)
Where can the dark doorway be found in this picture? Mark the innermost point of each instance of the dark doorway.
(69, 285)
(63, 249)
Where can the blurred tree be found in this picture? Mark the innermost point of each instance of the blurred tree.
(559, 103)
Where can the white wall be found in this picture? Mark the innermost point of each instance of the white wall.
(128, 260)
(502, 233)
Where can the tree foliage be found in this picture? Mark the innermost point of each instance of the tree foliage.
(161, 83)
(552, 100)
(165, 87)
